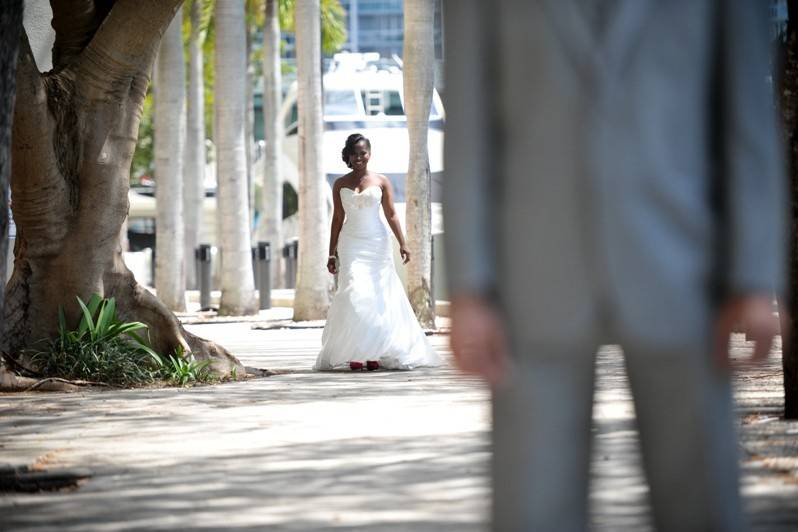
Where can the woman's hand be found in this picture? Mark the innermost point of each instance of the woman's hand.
(332, 265)
(405, 253)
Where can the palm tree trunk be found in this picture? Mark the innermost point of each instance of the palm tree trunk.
(250, 121)
(312, 297)
(418, 86)
(194, 174)
(271, 199)
(238, 289)
(170, 135)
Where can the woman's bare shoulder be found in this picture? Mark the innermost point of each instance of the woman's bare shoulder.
(340, 182)
(383, 180)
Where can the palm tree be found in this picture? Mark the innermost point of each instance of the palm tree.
(312, 295)
(170, 133)
(233, 195)
(280, 14)
(271, 199)
(194, 172)
(418, 85)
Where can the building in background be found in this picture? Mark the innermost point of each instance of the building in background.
(378, 26)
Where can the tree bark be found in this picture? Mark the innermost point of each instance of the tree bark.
(10, 28)
(249, 135)
(74, 134)
(312, 296)
(418, 85)
(194, 173)
(789, 101)
(170, 138)
(238, 284)
(271, 199)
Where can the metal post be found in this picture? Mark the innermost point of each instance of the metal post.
(290, 252)
(203, 256)
(265, 273)
(294, 261)
(254, 257)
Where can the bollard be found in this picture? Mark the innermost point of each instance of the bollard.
(254, 257)
(290, 252)
(203, 256)
(264, 274)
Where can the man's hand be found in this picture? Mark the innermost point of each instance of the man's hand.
(752, 314)
(478, 339)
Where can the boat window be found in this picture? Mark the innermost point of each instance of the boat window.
(378, 102)
(393, 103)
(340, 103)
(292, 120)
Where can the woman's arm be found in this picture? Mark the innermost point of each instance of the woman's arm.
(393, 219)
(335, 228)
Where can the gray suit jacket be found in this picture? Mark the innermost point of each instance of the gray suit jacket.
(614, 171)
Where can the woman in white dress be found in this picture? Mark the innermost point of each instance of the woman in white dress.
(370, 324)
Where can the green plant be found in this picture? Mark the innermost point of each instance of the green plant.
(101, 348)
(182, 370)
(106, 350)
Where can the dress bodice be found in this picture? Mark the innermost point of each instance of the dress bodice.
(362, 210)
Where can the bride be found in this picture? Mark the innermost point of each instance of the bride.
(370, 323)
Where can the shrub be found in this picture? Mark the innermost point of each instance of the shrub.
(101, 349)
(106, 350)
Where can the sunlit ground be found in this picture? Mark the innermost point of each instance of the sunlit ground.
(384, 451)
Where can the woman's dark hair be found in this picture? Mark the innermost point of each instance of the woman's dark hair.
(349, 147)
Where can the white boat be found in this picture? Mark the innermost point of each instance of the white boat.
(363, 93)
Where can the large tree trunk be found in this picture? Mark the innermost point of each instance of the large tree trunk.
(194, 172)
(10, 27)
(789, 101)
(238, 284)
(170, 137)
(75, 131)
(418, 84)
(271, 198)
(312, 296)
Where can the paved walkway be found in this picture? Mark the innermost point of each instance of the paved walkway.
(304, 451)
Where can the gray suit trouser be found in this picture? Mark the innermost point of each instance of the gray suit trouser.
(541, 439)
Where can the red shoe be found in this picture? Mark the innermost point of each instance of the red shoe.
(356, 366)
(372, 365)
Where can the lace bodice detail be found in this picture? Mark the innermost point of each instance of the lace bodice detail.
(362, 210)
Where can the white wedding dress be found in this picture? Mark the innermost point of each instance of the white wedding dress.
(370, 317)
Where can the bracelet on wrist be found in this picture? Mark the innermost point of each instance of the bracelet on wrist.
(332, 257)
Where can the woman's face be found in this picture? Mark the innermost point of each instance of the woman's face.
(360, 155)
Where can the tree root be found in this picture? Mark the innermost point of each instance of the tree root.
(167, 335)
(9, 382)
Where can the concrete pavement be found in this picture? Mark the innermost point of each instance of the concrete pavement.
(384, 451)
